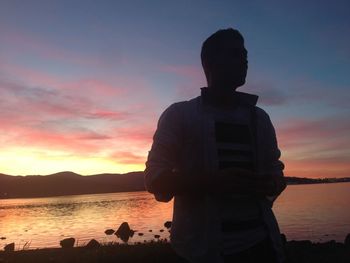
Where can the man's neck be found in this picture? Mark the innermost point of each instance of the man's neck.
(220, 97)
(221, 88)
(227, 98)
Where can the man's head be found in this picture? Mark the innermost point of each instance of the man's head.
(224, 59)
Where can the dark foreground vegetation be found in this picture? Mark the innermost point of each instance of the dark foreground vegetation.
(161, 251)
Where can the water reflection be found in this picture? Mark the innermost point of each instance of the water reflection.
(316, 212)
(45, 221)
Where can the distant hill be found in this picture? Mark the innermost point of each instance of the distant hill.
(303, 180)
(69, 183)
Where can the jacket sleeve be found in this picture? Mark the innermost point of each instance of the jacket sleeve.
(164, 154)
(271, 158)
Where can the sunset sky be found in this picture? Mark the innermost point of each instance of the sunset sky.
(83, 83)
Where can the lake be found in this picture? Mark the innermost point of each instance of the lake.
(318, 212)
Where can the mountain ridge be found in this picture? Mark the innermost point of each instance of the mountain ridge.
(70, 183)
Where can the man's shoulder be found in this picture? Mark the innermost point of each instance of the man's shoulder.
(184, 104)
(261, 113)
(263, 119)
(179, 110)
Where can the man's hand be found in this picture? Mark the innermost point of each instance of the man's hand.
(233, 180)
(172, 182)
(229, 180)
(242, 181)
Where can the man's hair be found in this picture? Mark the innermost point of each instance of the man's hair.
(213, 44)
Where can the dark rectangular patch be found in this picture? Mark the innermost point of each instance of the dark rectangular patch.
(244, 165)
(230, 226)
(232, 133)
(231, 152)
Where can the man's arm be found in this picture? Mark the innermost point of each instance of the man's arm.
(161, 175)
(272, 165)
(163, 156)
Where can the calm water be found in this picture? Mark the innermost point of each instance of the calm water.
(317, 212)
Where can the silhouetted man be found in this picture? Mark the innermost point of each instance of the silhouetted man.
(217, 155)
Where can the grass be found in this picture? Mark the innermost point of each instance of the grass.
(161, 251)
(152, 251)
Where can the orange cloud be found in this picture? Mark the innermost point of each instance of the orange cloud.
(125, 157)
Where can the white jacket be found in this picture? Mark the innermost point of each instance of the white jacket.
(184, 140)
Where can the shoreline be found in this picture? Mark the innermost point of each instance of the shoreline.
(161, 251)
(2, 198)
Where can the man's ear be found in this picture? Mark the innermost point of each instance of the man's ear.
(204, 64)
(206, 70)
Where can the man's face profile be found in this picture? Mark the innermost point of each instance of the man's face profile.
(227, 64)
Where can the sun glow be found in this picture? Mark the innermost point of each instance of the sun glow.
(24, 161)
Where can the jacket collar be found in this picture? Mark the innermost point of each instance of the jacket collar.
(236, 97)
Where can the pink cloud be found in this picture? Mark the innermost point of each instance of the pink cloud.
(28, 76)
(86, 86)
(316, 148)
(299, 131)
(125, 157)
(93, 87)
(107, 114)
(42, 104)
(71, 143)
(52, 119)
(76, 116)
(91, 135)
(139, 135)
(36, 117)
